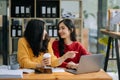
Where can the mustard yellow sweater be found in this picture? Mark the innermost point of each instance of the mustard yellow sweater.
(26, 57)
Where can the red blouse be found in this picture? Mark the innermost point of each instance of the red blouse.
(75, 46)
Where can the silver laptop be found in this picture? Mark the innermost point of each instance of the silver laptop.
(88, 63)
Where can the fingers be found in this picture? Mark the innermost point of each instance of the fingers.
(73, 51)
(46, 61)
(68, 66)
(72, 65)
(72, 54)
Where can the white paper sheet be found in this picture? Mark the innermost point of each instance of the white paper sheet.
(58, 70)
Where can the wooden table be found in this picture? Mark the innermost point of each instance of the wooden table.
(101, 75)
(112, 36)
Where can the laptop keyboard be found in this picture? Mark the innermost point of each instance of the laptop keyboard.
(71, 70)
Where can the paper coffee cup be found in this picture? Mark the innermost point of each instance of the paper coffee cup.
(47, 55)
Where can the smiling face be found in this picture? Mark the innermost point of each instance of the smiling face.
(63, 31)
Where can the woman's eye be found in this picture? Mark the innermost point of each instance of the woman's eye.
(63, 28)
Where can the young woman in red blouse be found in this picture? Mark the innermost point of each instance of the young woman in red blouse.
(67, 43)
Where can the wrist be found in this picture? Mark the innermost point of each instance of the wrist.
(64, 57)
(38, 65)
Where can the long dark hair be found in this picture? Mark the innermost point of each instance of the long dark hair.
(34, 36)
(69, 24)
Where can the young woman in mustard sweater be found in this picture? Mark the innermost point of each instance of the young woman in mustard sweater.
(33, 45)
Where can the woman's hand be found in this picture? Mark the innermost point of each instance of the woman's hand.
(46, 62)
(72, 65)
(70, 54)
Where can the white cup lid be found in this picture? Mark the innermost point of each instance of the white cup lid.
(46, 55)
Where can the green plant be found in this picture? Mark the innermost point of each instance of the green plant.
(104, 41)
